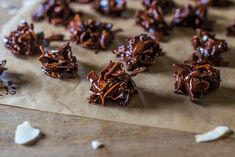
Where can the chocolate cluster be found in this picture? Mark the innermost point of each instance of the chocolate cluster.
(231, 29)
(139, 53)
(208, 49)
(56, 12)
(83, 1)
(166, 5)
(90, 33)
(59, 63)
(113, 83)
(152, 20)
(2, 66)
(110, 7)
(195, 80)
(192, 17)
(24, 41)
(216, 3)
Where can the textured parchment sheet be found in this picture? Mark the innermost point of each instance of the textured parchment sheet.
(156, 105)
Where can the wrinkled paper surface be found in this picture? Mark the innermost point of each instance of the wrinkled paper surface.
(156, 105)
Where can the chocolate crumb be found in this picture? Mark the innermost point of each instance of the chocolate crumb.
(114, 83)
(90, 33)
(59, 63)
(139, 53)
(195, 80)
(208, 49)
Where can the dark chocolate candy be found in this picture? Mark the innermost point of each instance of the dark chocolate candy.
(208, 49)
(59, 63)
(139, 52)
(152, 20)
(91, 34)
(166, 5)
(195, 80)
(113, 83)
(110, 7)
(192, 17)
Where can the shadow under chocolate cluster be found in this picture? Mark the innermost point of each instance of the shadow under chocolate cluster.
(113, 83)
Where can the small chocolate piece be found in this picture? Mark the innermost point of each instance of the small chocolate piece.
(152, 20)
(139, 53)
(231, 29)
(192, 17)
(24, 41)
(110, 7)
(216, 3)
(2, 66)
(59, 63)
(57, 12)
(166, 5)
(208, 49)
(91, 34)
(195, 80)
(112, 84)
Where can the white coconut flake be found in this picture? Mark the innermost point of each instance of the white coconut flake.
(25, 133)
(218, 132)
(96, 144)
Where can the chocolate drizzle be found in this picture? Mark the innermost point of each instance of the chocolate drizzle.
(91, 34)
(59, 63)
(112, 84)
(192, 17)
(208, 49)
(195, 80)
(139, 53)
(110, 7)
(152, 20)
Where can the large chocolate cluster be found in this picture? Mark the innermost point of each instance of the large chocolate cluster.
(56, 12)
(113, 83)
(110, 7)
(208, 49)
(195, 80)
(217, 3)
(192, 17)
(59, 63)
(152, 20)
(90, 33)
(139, 53)
(24, 41)
(166, 5)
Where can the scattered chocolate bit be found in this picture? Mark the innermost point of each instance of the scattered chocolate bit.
(231, 29)
(152, 20)
(166, 5)
(216, 3)
(195, 80)
(208, 49)
(112, 84)
(193, 17)
(59, 63)
(2, 66)
(24, 41)
(91, 34)
(139, 53)
(110, 7)
(57, 12)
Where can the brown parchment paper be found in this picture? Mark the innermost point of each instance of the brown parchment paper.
(156, 105)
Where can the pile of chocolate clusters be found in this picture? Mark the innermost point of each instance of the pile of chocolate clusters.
(152, 20)
(196, 77)
(138, 53)
(90, 33)
(113, 83)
